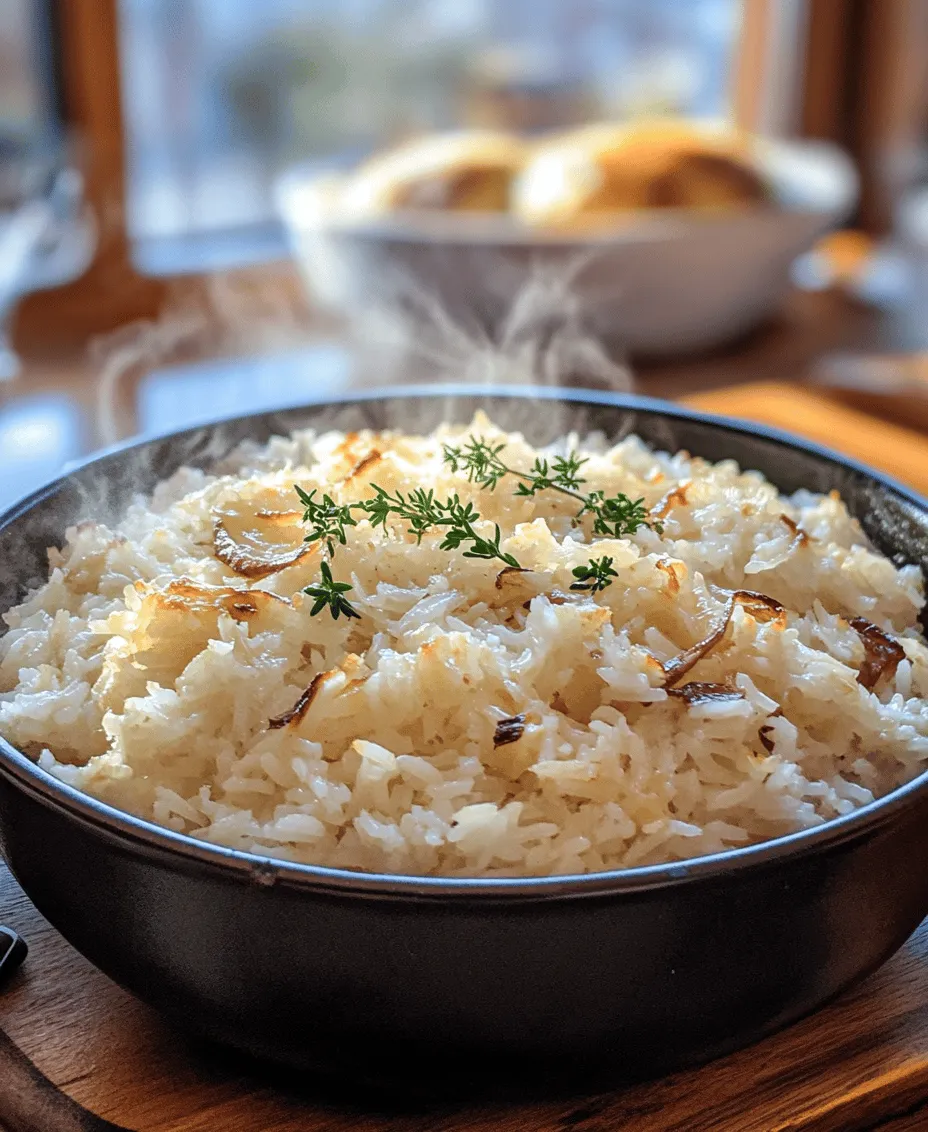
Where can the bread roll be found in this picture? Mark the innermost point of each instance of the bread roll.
(468, 171)
(599, 170)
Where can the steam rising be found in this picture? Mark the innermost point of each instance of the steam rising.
(542, 336)
(231, 316)
(409, 337)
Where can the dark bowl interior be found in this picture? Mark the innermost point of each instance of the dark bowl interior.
(625, 961)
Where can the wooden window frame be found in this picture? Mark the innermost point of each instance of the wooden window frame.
(859, 79)
(768, 67)
(111, 293)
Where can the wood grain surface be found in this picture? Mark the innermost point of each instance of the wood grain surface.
(860, 1063)
(899, 451)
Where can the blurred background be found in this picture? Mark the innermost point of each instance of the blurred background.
(150, 277)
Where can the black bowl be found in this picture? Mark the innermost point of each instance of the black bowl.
(632, 972)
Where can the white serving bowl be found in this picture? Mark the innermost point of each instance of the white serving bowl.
(651, 283)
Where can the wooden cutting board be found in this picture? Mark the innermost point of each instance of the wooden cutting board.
(861, 1063)
(898, 451)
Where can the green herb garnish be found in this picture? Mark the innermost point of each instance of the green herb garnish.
(613, 516)
(331, 594)
(326, 518)
(328, 522)
(595, 575)
(425, 513)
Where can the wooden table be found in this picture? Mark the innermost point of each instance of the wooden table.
(861, 1063)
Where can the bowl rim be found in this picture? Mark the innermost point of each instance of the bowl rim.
(155, 841)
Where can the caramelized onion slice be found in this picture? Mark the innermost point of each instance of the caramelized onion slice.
(352, 673)
(698, 692)
(509, 730)
(508, 574)
(802, 538)
(171, 627)
(669, 567)
(280, 518)
(882, 655)
(194, 597)
(516, 585)
(364, 464)
(676, 497)
(761, 607)
(256, 544)
(296, 714)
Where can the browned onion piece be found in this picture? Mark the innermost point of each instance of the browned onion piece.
(666, 566)
(354, 673)
(363, 464)
(761, 607)
(195, 597)
(509, 730)
(172, 626)
(802, 537)
(282, 518)
(503, 575)
(764, 735)
(678, 667)
(298, 712)
(676, 497)
(882, 654)
(516, 585)
(697, 692)
(251, 556)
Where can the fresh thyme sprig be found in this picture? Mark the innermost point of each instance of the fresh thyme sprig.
(329, 521)
(613, 516)
(595, 575)
(425, 513)
(420, 509)
(331, 594)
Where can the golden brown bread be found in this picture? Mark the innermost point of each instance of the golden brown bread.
(605, 169)
(464, 171)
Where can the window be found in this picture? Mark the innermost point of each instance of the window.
(188, 110)
(28, 98)
(30, 134)
(220, 96)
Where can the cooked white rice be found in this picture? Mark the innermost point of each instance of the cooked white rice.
(129, 678)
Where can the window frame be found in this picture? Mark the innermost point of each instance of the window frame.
(768, 69)
(111, 292)
(860, 81)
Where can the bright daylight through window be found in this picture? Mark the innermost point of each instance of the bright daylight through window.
(226, 94)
